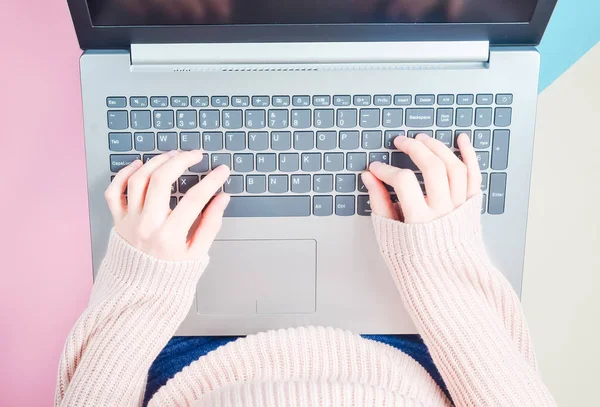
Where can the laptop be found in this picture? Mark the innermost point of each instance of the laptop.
(298, 97)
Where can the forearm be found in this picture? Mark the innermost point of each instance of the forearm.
(137, 304)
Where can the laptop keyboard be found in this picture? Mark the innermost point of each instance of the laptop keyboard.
(302, 155)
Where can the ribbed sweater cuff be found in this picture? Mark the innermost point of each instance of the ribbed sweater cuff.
(135, 269)
(423, 240)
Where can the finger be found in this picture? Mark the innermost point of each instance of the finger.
(455, 168)
(115, 193)
(210, 224)
(379, 198)
(407, 188)
(138, 182)
(470, 159)
(186, 212)
(159, 188)
(433, 169)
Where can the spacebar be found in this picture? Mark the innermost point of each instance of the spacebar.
(268, 206)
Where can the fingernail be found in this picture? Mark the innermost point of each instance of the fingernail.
(421, 136)
(375, 164)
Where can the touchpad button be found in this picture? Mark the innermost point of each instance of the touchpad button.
(259, 276)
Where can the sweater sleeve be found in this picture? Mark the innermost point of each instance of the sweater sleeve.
(137, 304)
(466, 311)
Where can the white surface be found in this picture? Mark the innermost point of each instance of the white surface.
(561, 288)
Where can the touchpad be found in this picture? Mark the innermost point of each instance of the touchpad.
(259, 277)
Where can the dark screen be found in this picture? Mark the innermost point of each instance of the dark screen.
(192, 12)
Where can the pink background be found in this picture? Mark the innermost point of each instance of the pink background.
(45, 263)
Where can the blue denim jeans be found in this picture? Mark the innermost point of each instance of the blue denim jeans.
(181, 351)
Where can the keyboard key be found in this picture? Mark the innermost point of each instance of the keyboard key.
(300, 184)
(503, 117)
(119, 141)
(301, 100)
(141, 119)
(419, 117)
(322, 205)
(392, 117)
(278, 184)
(445, 117)
(116, 102)
(445, 100)
(202, 166)
(333, 162)
(342, 100)
(167, 141)
(278, 119)
(362, 100)
(464, 116)
(402, 100)
(382, 100)
(361, 185)
(219, 101)
(164, 119)
(445, 136)
(483, 201)
(356, 162)
(390, 135)
(288, 162)
(345, 182)
(482, 139)
(483, 158)
(349, 140)
(235, 140)
(323, 118)
(234, 184)
(402, 160)
(380, 157)
(268, 206)
(255, 119)
(212, 140)
(497, 194)
(138, 101)
(243, 162)
(485, 99)
(189, 141)
(172, 202)
(484, 181)
(120, 161)
(322, 183)
(369, 118)
(159, 101)
(148, 157)
(186, 182)
(311, 162)
(281, 101)
(301, 118)
(458, 133)
(144, 141)
(199, 101)
(281, 140)
(415, 133)
(504, 99)
(220, 159)
(240, 101)
(179, 101)
(321, 100)
(346, 118)
(371, 140)
(117, 119)
(266, 162)
(424, 100)
(500, 149)
(483, 116)
(326, 140)
(304, 140)
(256, 184)
(186, 119)
(344, 205)
(232, 119)
(364, 205)
(258, 140)
(260, 101)
(465, 99)
(209, 119)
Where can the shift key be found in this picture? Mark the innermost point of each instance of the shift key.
(419, 117)
(497, 194)
(500, 149)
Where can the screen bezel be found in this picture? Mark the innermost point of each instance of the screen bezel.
(121, 37)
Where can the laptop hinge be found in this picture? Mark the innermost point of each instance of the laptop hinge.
(309, 53)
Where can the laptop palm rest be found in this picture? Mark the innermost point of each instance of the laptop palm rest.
(259, 277)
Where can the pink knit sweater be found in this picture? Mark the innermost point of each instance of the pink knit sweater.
(467, 313)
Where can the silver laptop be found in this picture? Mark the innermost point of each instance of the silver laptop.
(298, 98)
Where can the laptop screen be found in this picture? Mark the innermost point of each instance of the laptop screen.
(248, 12)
